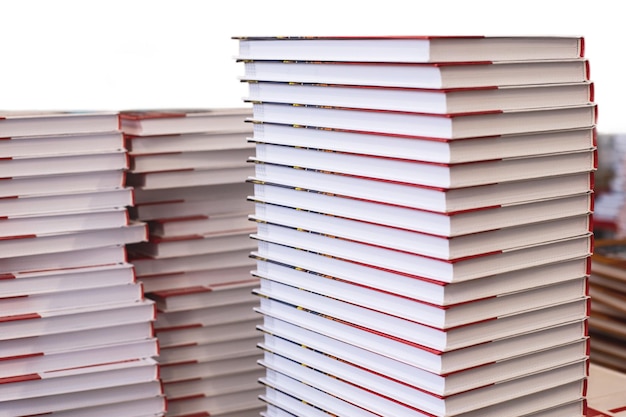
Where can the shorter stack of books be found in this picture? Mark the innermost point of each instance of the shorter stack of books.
(76, 333)
(189, 170)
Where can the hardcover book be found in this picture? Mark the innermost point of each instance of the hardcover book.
(420, 75)
(409, 48)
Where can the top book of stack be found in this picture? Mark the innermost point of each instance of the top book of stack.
(178, 121)
(34, 123)
(410, 48)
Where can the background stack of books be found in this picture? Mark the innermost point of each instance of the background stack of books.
(607, 287)
(607, 392)
(76, 334)
(423, 210)
(189, 170)
(609, 214)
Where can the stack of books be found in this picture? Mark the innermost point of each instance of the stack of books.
(423, 209)
(76, 333)
(189, 169)
(607, 287)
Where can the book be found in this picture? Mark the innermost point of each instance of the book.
(228, 191)
(275, 260)
(284, 299)
(198, 278)
(445, 151)
(190, 177)
(186, 142)
(49, 262)
(191, 200)
(423, 197)
(194, 369)
(218, 294)
(608, 283)
(66, 202)
(409, 48)
(37, 304)
(420, 75)
(444, 126)
(442, 270)
(419, 100)
(188, 208)
(168, 161)
(65, 164)
(22, 283)
(607, 259)
(274, 218)
(178, 121)
(203, 335)
(148, 267)
(465, 174)
(200, 224)
(209, 315)
(69, 221)
(32, 123)
(35, 244)
(62, 184)
(234, 348)
(67, 144)
(193, 244)
(441, 224)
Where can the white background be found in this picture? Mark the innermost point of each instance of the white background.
(116, 55)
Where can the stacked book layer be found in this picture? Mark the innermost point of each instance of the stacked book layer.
(423, 210)
(76, 333)
(189, 170)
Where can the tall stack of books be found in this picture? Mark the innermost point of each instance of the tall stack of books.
(189, 170)
(423, 209)
(76, 335)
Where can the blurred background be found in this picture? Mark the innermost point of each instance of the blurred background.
(72, 54)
